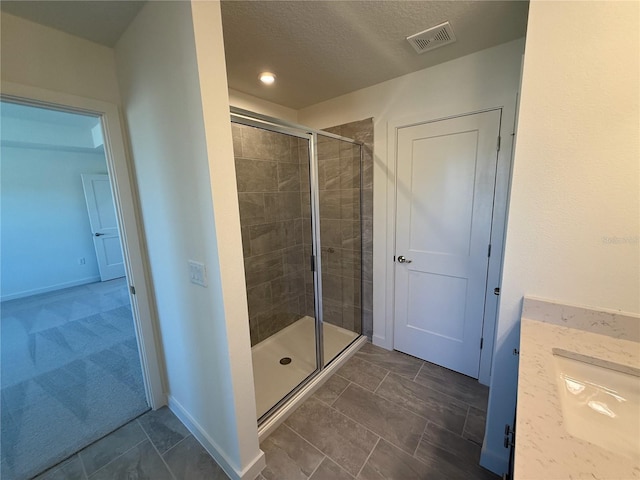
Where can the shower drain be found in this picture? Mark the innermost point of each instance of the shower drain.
(285, 360)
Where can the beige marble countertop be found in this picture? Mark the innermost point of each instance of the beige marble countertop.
(544, 449)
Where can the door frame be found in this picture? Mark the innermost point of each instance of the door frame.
(498, 226)
(126, 202)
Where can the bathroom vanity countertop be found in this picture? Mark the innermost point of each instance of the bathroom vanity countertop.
(544, 449)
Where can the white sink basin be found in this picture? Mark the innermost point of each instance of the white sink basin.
(600, 401)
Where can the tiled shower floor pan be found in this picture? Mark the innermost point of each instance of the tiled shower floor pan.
(273, 379)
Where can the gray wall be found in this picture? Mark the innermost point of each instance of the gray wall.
(272, 174)
(339, 191)
(273, 185)
(341, 268)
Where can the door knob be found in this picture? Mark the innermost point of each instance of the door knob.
(402, 259)
(98, 234)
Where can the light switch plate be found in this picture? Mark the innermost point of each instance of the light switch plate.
(197, 273)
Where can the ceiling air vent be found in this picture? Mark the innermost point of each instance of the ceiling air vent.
(434, 37)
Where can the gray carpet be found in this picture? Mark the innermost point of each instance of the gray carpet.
(70, 373)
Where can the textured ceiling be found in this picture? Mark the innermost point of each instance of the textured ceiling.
(322, 49)
(102, 22)
(318, 49)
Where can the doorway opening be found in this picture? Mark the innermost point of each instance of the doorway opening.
(71, 363)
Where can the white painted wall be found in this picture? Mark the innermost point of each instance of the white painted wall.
(171, 69)
(483, 80)
(18, 132)
(43, 57)
(264, 107)
(434, 92)
(207, 344)
(45, 225)
(487, 79)
(574, 214)
(56, 68)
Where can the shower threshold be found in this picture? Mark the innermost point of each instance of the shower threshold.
(275, 376)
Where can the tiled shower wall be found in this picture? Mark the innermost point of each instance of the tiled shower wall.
(344, 213)
(272, 173)
(339, 193)
(273, 185)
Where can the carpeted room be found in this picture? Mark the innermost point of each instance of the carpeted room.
(70, 362)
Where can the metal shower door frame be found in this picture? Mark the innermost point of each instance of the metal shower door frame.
(252, 119)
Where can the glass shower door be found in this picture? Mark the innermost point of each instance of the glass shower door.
(273, 179)
(340, 225)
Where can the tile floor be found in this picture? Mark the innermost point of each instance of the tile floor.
(383, 415)
(155, 446)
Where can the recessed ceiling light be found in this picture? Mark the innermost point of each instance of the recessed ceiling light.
(267, 78)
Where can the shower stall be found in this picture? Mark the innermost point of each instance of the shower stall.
(299, 193)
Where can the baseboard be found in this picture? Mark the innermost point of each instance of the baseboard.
(250, 472)
(496, 462)
(381, 342)
(160, 401)
(50, 288)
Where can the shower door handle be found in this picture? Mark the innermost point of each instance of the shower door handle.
(402, 259)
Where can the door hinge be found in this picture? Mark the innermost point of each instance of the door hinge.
(509, 436)
(132, 289)
(489, 251)
(481, 342)
(499, 139)
(313, 263)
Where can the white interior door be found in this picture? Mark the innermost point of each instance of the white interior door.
(104, 225)
(445, 184)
